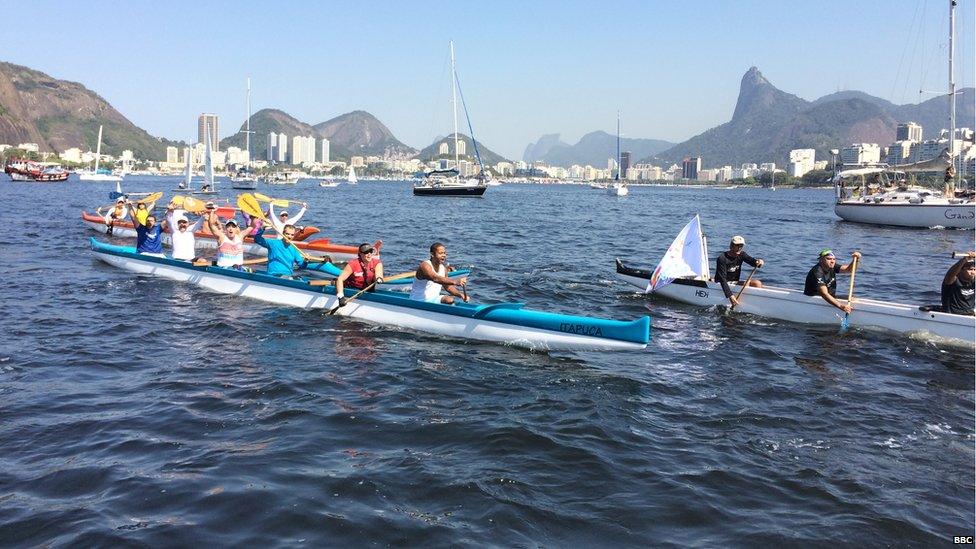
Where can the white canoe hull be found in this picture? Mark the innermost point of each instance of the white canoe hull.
(379, 313)
(99, 177)
(211, 243)
(950, 216)
(794, 306)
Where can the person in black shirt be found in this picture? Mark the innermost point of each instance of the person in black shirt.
(822, 278)
(728, 267)
(959, 287)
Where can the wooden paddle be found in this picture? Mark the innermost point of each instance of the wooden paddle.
(744, 286)
(960, 254)
(846, 323)
(360, 292)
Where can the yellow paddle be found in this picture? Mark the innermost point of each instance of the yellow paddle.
(280, 202)
(154, 197)
(249, 204)
(360, 292)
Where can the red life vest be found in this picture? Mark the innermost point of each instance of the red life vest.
(362, 276)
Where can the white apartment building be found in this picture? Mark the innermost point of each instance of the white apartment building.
(29, 147)
(357, 162)
(281, 150)
(71, 155)
(172, 155)
(724, 173)
(237, 156)
(325, 151)
(860, 154)
(443, 149)
(302, 150)
(801, 161)
(900, 152)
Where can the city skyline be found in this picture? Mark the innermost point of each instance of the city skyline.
(525, 70)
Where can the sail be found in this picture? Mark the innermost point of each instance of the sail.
(208, 175)
(189, 166)
(352, 175)
(685, 257)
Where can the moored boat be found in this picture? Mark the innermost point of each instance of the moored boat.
(28, 170)
(506, 323)
(794, 306)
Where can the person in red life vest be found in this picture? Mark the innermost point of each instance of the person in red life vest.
(360, 273)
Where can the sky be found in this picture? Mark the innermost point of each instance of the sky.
(671, 68)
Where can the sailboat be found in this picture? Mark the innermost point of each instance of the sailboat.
(187, 183)
(352, 179)
(902, 205)
(618, 187)
(449, 182)
(244, 180)
(96, 174)
(209, 185)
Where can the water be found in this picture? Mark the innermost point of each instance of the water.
(144, 411)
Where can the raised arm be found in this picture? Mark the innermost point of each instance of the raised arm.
(953, 274)
(275, 222)
(301, 212)
(847, 268)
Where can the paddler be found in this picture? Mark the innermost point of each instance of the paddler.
(728, 267)
(149, 235)
(230, 240)
(117, 213)
(282, 253)
(431, 277)
(959, 287)
(184, 242)
(822, 278)
(360, 273)
(284, 218)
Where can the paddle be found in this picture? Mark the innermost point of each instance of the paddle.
(960, 254)
(249, 204)
(280, 202)
(464, 292)
(744, 286)
(360, 292)
(151, 198)
(846, 323)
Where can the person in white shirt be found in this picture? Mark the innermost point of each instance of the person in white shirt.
(184, 242)
(431, 277)
(279, 221)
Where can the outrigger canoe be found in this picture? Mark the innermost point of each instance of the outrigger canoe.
(318, 247)
(506, 323)
(794, 306)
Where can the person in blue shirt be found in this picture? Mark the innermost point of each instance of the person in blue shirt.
(282, 253)
(149, 234)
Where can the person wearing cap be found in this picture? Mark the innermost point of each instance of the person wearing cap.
(360, 273)
(728, 267)
(283, 255)
(959, 287)
(115, 213)
(184, 242)
(149, 235)
(279, 221)
(431, 277)
(230, 240)
(822, 278)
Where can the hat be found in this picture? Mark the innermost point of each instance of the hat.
(366, 248)
(210, 205)
(826, 253)
(120, 201)
(738, 240)
(231, 222)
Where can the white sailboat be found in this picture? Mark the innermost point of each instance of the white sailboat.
(95, 175)
(618, 187)
(352, 179)
(187, 183)
(904, 205)
(209, 186)
(244, 179)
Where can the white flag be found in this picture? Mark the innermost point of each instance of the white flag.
(685, 257)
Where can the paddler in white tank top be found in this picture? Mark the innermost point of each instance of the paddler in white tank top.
(432, 277)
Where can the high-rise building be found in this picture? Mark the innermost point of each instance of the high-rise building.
(801, 161)
(172, 155)
(205, 120)
(690, 168)
(624, 164)
(281, 151)
(443, 149)
(909, 131)
(272, 146)
(324, 157)
(462, 147)
(302, 149)
(861, 154)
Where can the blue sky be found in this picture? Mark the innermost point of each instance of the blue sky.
(527, 68)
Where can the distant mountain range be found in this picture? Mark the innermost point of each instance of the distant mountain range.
(594, 148)
(767, 123)
(58, 114)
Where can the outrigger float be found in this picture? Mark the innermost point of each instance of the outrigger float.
(506, 323)
(316, 248)
(794, 306)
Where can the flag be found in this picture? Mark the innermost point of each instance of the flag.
(685, 257)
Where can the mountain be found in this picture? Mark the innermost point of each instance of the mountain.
(351, 134)
(767, 123)
(58, 114)
(593, 148)
(488, 157)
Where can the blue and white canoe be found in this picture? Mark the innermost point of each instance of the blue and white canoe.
(506, 323)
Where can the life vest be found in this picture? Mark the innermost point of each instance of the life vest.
(362, 277)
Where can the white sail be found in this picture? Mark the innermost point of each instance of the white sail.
(208, 175)
(189, 167)
(686, 256)
(98, 150)
(352, 179)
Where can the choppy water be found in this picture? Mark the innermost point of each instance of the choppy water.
(143, 411)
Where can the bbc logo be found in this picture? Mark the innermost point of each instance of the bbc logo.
(963, 540)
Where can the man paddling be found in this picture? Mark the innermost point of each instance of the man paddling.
(360, 273)
(282, 253)
(959, 287)
(149, 235)
(728, 267)
(822, 279)
(431, 277)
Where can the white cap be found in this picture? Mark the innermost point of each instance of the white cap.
(738, 240)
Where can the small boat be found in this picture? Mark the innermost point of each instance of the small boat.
(244, 180)
(327, 183)
(600, 186)
(352, 179)
(505, 323)
(28, 170)
(96, 174)
(618, 187)
(186, 185)
(209, 186)
(204, 240)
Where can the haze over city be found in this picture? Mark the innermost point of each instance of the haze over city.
(671, 69)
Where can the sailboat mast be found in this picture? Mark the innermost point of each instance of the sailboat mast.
(618, 146)
(952, 87)
(247, 134)
(98, 149)
(457, 164)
